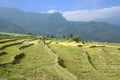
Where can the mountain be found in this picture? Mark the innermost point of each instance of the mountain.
(97, 31)
(56, 24)
(115, 20)
(34, 22)
(7, 26)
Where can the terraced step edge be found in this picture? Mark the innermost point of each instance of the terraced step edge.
(57, 60)
(25, 46)
(3, 53)
(12, 44)
(4, 41)
(90, 61)
(15, 60)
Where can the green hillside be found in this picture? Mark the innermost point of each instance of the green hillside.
(26, 58)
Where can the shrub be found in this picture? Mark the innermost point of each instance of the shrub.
(93, 46)
(61, 62)
(96, 46)
(18, 57)
(80, 45)
(118, 48)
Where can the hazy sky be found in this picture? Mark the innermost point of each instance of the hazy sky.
(71, 9)
(59, 5)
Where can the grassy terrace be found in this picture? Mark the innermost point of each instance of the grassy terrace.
(30, 59)
(31, 62)
(11, 49)
(91, 61)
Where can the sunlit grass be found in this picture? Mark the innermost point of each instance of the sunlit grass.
(105, 58)
(88, 61)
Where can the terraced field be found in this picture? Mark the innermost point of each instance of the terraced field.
(90, 61)
(22, 59)
(30, 59)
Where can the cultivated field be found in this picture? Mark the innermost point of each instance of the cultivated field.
(26, 58)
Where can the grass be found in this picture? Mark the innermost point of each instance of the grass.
(106, 62)
(59, 60)
(12, 52)
(103, 57)
(39, 63)
(7, 40)
(76, 61)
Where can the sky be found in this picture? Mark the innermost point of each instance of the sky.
(75, 10)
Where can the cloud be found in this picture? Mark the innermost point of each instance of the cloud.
(52, 11)
(88, 15)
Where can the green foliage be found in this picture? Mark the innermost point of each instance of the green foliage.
(29, 33)
(61, 62)
(80, 45)
(96, 46)
(93, 46)
(64, 37)
(74, 37)
(118, 48)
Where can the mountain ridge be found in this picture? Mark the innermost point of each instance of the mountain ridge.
(56, 24)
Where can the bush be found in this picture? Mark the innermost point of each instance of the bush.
(118, 48)
(75, 38)
(96, 46)
(83, 42)
(93, 46)
(80, 45)
(18, 57)
(61, 62)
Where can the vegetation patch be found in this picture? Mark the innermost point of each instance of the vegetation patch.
(94, 46)
(118, 48)
(2, 53)
(61, 62)
(17, 58)
(80, 45)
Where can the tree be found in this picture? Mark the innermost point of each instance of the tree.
(63, 36)
(29, 33)
(74, 37)
(71, 36)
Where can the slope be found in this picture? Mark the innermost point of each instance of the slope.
(7, 26)
(90, 61)
(37, 62)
